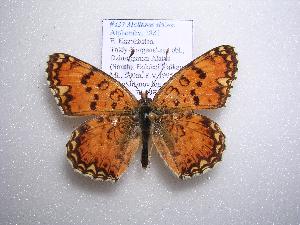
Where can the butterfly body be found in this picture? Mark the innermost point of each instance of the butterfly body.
(103, 146)
(144, 110)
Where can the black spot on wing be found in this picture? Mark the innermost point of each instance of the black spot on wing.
(86, 77)
(93, 105)
(196, 100)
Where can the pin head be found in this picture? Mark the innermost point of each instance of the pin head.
(144, 97)
(144, 94)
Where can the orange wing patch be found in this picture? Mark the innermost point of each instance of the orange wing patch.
(81, 89)
(103, 147)
(189, 143)
(202, 84)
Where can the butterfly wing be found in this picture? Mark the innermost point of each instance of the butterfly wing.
(103, 147)
(188, 143)
(202, 84)
(81, 89)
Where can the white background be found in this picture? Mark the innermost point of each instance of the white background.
(256, 183)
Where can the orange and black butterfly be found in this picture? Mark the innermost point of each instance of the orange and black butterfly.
(102, 147)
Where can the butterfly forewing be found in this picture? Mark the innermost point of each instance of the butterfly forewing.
(81, 89)
(202, 84)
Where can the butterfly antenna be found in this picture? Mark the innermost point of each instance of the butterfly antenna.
(162, 68)
(131, 54)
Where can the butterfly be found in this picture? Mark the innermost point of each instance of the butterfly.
(103, 146)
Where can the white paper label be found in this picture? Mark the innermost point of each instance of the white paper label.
(144, 54)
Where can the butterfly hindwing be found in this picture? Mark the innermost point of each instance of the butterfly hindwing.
(202, 84)
(103, 147)
(81, 89)
(188, 143)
